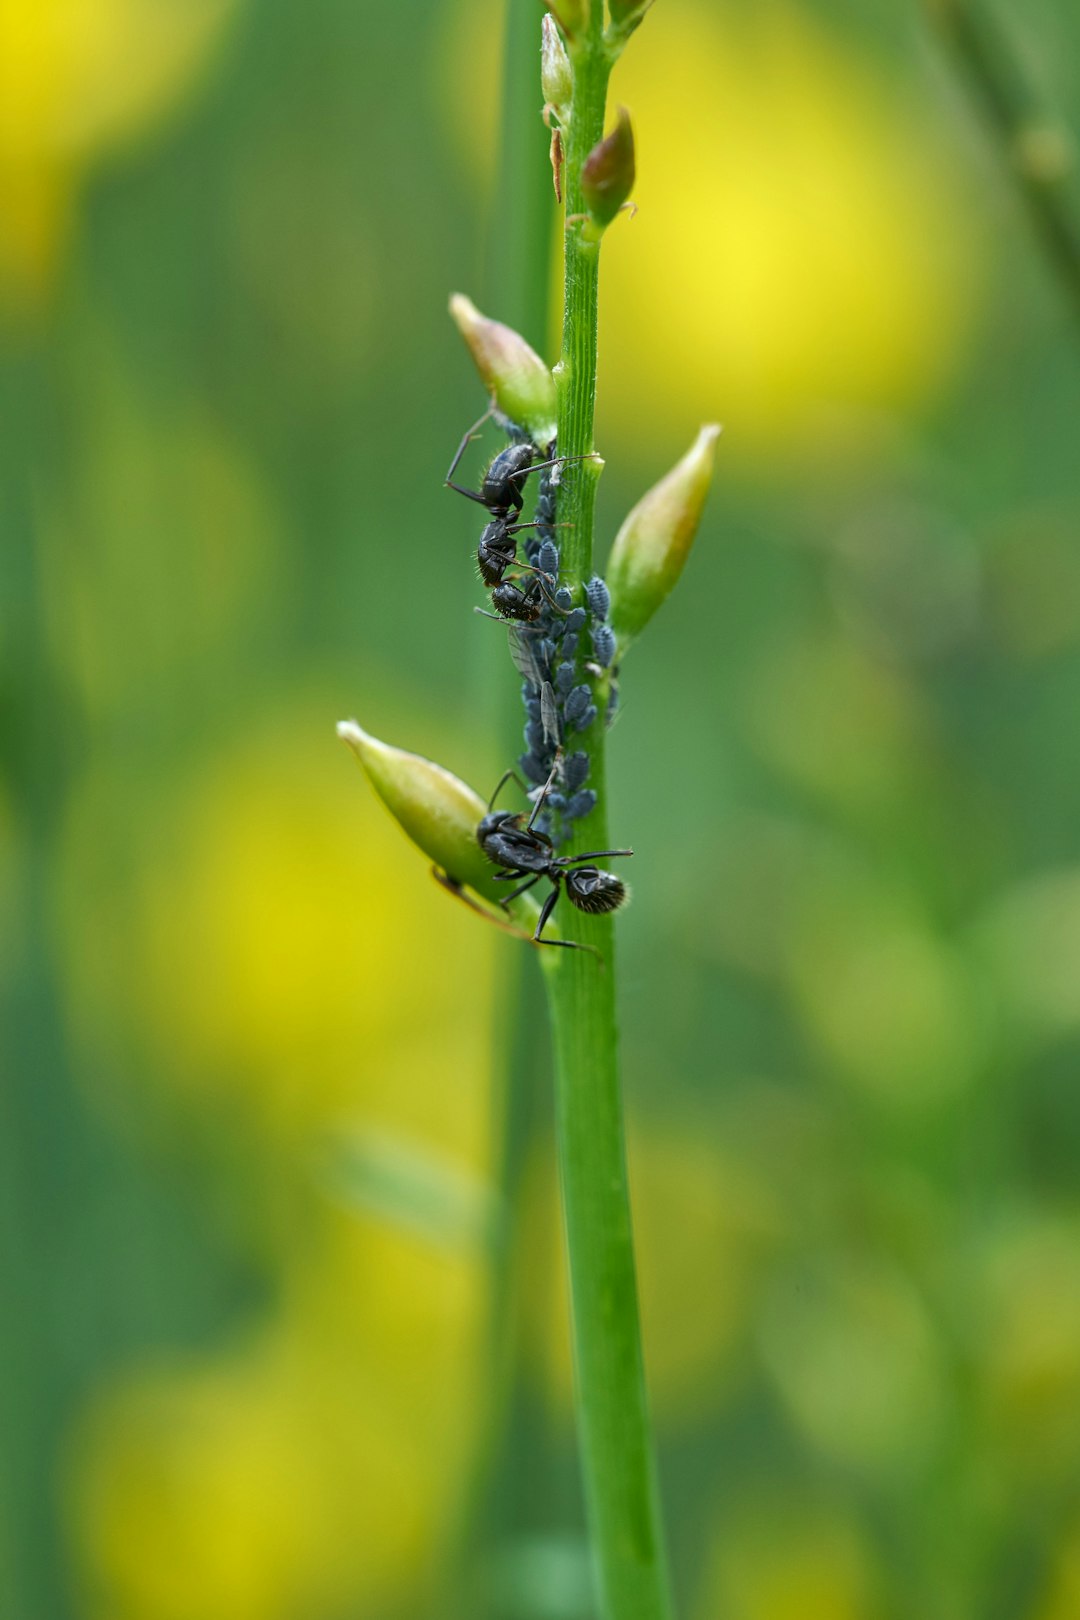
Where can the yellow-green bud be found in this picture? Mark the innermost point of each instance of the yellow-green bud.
(571, 15)
(626, 15)
(607, 175)
(654, 542)
(435, 808)
(556, 76)
(520, 384)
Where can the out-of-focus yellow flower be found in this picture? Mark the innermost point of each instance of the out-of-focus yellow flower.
(797, 257)
(702, 1225)
(280, 946)
(789, 1559)
(79, 78)
(285, 960)
(307, 1478)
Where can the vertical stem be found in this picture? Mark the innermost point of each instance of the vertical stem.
(615, 1438)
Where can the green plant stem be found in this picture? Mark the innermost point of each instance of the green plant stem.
(1026, 138)
(613, 1425)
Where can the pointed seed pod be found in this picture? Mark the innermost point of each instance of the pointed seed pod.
(654, 541)
(556, 76)
(435, 808)
(521, 385)
(607, 175)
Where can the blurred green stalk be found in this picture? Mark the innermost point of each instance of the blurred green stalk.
(1036, 153)
(613, 1424)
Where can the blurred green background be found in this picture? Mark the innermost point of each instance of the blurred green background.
(273, 1344)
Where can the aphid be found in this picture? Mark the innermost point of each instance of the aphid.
(603, 642)
(598, 597)
(520, 850)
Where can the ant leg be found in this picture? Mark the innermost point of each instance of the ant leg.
(470, 494)
(566, 944)
(539, 805)
(503, 779)
(463, 446)
(526, 885)
(452, 886)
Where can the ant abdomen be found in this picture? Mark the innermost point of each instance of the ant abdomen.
(590, 889)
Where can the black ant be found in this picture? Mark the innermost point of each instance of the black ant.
(524, 852)
(502, 492)
(497, 551)
(524, 606)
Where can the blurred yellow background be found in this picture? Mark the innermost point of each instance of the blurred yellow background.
(282, 1309)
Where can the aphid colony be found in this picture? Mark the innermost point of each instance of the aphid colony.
(546, 630)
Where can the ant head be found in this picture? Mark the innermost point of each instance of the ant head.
(593, 890)
(499, 821)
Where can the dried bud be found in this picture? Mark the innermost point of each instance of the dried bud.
(571, 15)
(436, 809)
(556, 77)
(607, 175)
(654, 542)
(520, 383)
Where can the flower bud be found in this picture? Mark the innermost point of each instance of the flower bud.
(654, 541)
(626, 15)
(556, 77)
(435, 808)
(571, 15)
(521, 385)
(607, 175)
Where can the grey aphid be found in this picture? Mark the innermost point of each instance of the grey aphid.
(598, 597)
(577, 702)
(535, 737)
(585, 721)
(555, 801)
(563, 598)
(569, 645)
(534, 768)
(581, 804)
(564, 678)
(549, 714)
(575, 619)
(575, 770)
(603, 643)
(548, 559)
